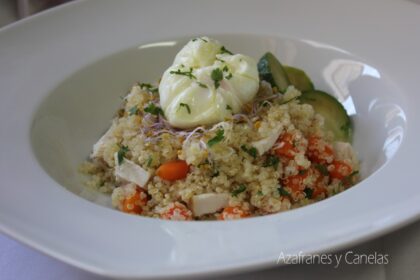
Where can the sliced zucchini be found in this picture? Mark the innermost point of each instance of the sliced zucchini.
(271, 70)
(336, 119)
(298, 78)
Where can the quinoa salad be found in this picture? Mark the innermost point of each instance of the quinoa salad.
(223, 137)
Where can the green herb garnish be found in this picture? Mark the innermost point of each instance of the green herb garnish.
(199, 38)
(121, 154)
(348, 179)
(308, 192)
(189, 73)
(149, 161)
(133, 110)
(216, 139)
(201, 85)
(148, 87)
(251, 151)
(259, 193)
(216, 76)
(224, 50)
(229, 108)
(271, 160)
(322, 169)
(153, 109)
(229, 76)
(186, 106)
(239, 190)
(215, 173)
(282, 191)
(302, 172)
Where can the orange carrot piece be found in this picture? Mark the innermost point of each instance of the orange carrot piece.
(287, 148)
(133, 204)
(339, 169)
(319, 150)
(233, 213)
(173, 170)
(177, 211)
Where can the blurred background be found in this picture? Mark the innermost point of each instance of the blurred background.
(11, 10)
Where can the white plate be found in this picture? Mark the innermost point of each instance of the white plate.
(60, 77)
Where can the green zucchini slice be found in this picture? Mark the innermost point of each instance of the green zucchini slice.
(298, 78)
(271, 70)
(336, 119)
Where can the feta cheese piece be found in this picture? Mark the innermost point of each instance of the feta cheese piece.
(208, 203)
(99, 147)
(265, 144)
(206, 84)
(131, 172)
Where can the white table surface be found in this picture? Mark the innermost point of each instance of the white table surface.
(403, 247)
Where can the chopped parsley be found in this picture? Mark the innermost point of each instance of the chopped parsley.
(148, 87)
(224, 50)
(121, 154)
(349, 178)
(229, 108)
(251, 151)
(302, 172)
(201, 85)
(133, 110)
(215, 173)
(282, 191)
(149, 161)
(271, 160)
(199, 38)
(239, 190)
(216, 76)
(308, 192)
(188, 73)
(229, 75)
(322, 169)
(186, 106)
(216, 139)
(153, 109)
(259, 193)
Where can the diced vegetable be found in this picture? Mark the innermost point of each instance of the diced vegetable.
(131, 172)
(271, 70)
(298, 78)
(319, 151)
(339, 169)
(336, 119)
(286, 147)
(265, 144)
(99, 147)
(133, 204)
(233, 213)
(173, 170)
(208, 203)
(177, 212)
(296, 182)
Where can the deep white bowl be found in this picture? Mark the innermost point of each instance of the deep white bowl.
(62, 74)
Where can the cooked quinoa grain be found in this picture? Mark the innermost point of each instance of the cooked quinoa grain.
(273, 156)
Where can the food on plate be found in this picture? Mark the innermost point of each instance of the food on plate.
(223, 137)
